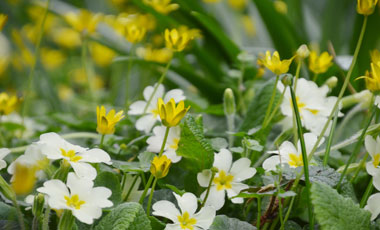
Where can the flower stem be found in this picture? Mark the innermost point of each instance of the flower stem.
(19, 213)
(367, 192)
(45, 223)
(275, 108)
(164, 141)
(90, 78)
(130, 189)
(361, 165)
(208, 188)
(157, 84)
(151, 196)
(128, 76)
(330, 140)
(274, 91)
(297, 75)
(147, 186)
(304, 158)
(258, 213)
(101, 141)
(242, 105)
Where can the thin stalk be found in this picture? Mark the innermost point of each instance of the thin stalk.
(101, 141)
(2, 139)
(45, 223)
(130, 189)
(361, 165)
(297, 74)
(19, 213)
(33, 67)
(258, 213)
(90, 78)
(367, 192)
(304, 158)
(35, 223)
(315, 77)
(231, 128)
(164, 142)
(208, 188)
(151, 196)
(157, 84)
(289, 209)
(357, 147)
(330, 140)
(275, 108)
(241, 97)
(128, 76)
(274, 91)
(147, 186)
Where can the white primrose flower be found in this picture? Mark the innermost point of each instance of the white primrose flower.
(313, 104)
(171, 146)
(3, 153)
(373, 205)
(151, 116)
(228, 179)
(373, 168)
(55, 147)
(289, 154)
(186, 218)
(79, 196)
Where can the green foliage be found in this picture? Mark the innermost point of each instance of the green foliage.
(125, 216)
(223, 222)
(334, 212)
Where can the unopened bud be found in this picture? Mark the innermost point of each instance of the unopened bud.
(331, 82)
(229, 102)
(6, 189)
(303, 52)
(61, 173)
(38, 205)
(214, 169)
(287, 79)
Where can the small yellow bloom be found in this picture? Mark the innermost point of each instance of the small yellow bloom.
(162, 6)
(375, 57)
(177, 40)
(24, 179)
(237, 4)
(52, 59)
(366, 7)
(211, 1)
(101, 54)
(3, 20)
(160, 166)
(84, 21)
(66, 37)
(319, 64)
(8, 104)
(372, 79)
(134, 33)
(274, 64)
(170, 114)
(280, 6)
(156, 55)
(249, 25)
(107, 122)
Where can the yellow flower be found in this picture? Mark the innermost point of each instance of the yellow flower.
(171, 114)
(160, 166)
(274, 64)
(3, 20)
(134, 33)
(375, 57)
(8, 104)
(211, 1)
(52, 59)
(177, 40)
(319, 64)
(156, 55)
(162, 6)
(101, 54)
(24, 179)
(280, 6)
(372, 79)
(107, 122)
(237, 4)
(84, 21)
(66, 37)
(249, 25)
(366, 7)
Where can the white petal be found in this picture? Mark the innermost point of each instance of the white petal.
(149, 90)
(371, 170)
(241, 171)
(99, 197)
(215, 198)
(95, 156)
(271, 162)
(137, 108)
(235, 190)
(287, 148)
(84, 170)
(146, 123)
(166, 209)
(187, 202)
(172, 155)
(310, 140)
(205, 217)
(79, 185)
(173, 227)
(373, 205)
(204, 177)
(87, 213)
(4, 152)
(3, 164)
(176, 94)
(223, 160)
(376, 181)
(56, 190)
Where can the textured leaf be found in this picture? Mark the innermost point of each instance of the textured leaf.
(334, 212)
(223, 222)
(129, 216)
(193, 146)
(110, 180)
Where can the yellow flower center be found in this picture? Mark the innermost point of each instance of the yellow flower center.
(295, 160)
(155, 112)
(175, 144)
(303, 105)
(223, 181)
(376, 160)
(74, 201)
(186, 222)
(71, 155)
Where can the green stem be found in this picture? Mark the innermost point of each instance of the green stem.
(343, 89)
(128, 76)
(241, 97)
(151, 196)
(157, 84)
(275, 108)
(315, 77)
(367, 193)
(258, 213)
(289, 209)
(33, 67)
(101, 141)
(90, 78)
(304, 158)
(361, 165)
(19, 213)
(164, 142)
(35, 223)
(45, 223)
(208, 188)
(274, 91)
(130, 189)
(330, 140)
(297, 75)
(147, 186)
(231, 128)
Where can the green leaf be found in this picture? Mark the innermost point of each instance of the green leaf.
(193, 146)
(156, 224)
(334, 212)
(223, 222)
(129, 216)
(110, 180)
(291, 225)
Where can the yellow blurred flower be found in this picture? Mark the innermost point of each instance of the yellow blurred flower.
(319, 64)
(83, 21)
(98, 82)
(65, 92)
(8, 104)
(171, 114)
(237, 4)
(26, 56)
(36, 13)
(274, 64)
(3, 20)
(134, 33)
(52, 59)
(178, 39)
(160, 166)
(66, 37)
(162, 55)
(24, 179)
(372, 78)
(366, 7)
(106, 122)
(162, 6)
(280, 6)
(101, 54)
(211, 1)
(5, 53)
(249, 25)
(375, 57)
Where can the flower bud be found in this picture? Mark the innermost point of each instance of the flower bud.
(38, 205)
(366, 7)
(6, 189)
(160, 166)
(303, 52)
(229, 102)
(61, 173)
(287, 79)
(331, 82)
